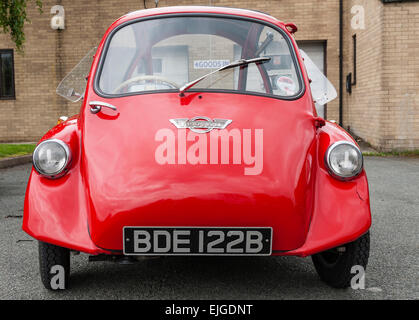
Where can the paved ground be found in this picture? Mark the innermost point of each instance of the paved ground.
(393, 271)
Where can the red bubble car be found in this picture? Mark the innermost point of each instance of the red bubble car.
(198, 135)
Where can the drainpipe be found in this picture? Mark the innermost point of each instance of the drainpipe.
(59, 67)
(341, 63)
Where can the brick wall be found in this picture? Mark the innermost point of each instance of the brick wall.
(384, 105)
(401, 76)
(363, 108)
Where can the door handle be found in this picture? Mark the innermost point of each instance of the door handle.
(96, 106)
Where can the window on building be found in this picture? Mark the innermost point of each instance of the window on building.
(7, 81)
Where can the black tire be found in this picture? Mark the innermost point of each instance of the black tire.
(50, 256)
(334, 267)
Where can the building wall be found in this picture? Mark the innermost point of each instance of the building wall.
(51, 54)
(401, 76)
(35, 107)
(383, 108)
(363, 109)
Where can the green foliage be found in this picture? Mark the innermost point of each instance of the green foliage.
(14, 150)
(13, 17)
(413, 153)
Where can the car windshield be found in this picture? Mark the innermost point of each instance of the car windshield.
(165, 54)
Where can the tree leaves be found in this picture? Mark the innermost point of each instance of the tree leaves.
(13, 17)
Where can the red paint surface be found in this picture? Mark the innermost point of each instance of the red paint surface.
(114, 180)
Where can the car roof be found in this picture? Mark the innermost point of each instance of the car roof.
(197, 9)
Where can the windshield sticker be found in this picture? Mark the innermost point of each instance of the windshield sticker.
(286, 85)
(210, 64)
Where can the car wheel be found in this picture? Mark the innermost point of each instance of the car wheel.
(54, 266)
(334, 266)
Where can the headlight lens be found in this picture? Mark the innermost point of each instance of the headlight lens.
(51, 158)
(344, 160)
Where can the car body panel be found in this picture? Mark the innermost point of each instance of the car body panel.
(115, 155)
(344, 215)
(115, 181)
(55, 211)
(341, 219)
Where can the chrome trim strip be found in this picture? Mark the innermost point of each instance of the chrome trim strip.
(201, 124)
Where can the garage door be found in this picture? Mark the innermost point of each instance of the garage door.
(316, 52)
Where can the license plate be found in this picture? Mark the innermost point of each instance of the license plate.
(197, 241)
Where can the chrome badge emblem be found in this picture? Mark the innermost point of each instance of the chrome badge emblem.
(201, 124)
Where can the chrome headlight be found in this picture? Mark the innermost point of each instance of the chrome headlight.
(51, 158)
(344, 160)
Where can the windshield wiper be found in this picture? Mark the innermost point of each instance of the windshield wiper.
(234, 64)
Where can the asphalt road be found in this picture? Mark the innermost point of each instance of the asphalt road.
(393, 271)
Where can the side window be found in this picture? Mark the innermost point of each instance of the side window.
(7, 81)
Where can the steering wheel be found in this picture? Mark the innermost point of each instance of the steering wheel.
(146, 77)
